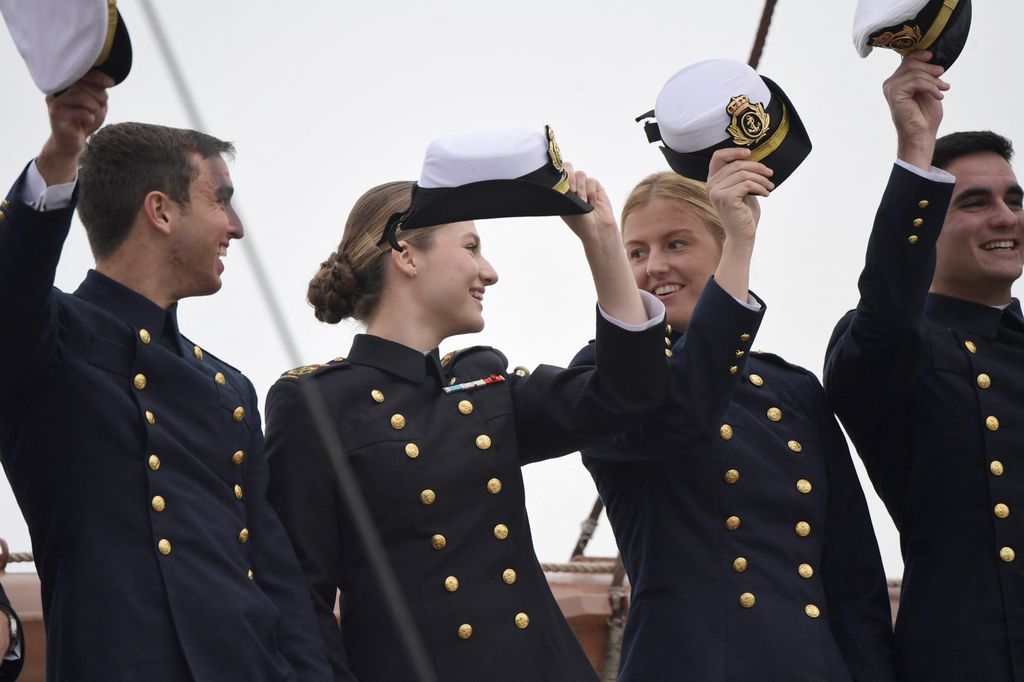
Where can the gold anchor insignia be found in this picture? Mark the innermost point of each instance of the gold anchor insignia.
(553, 150)
(750, 122)
(905, 39)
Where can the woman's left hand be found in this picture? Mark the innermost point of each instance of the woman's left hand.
(599, 223)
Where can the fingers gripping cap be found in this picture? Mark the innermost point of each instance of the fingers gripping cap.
(62, 40)
(940, 26)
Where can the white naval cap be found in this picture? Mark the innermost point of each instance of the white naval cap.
(940, 26)
(721, 103)
(62, 40)
(496, 174)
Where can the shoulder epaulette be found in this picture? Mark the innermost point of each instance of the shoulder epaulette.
(462, 353)
(310, 369)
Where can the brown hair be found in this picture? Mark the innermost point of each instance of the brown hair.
(689, 194)
(124, 162)
(349, 283)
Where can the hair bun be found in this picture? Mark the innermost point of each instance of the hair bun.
(333, 292)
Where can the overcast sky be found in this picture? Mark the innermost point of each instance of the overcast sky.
(326, 99)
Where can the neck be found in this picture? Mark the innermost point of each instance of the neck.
(991, 296)
(399, 319)
(134, 268)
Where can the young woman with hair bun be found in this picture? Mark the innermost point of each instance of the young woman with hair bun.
(440, 468)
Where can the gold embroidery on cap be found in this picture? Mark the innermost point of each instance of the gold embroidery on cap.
(553, 151)
(904, 39)
(750, 122)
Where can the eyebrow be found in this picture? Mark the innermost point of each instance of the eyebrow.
(674, 234)
(981, 192)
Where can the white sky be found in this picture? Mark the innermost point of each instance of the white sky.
(327, 99)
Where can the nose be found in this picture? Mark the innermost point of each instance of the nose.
(235, 228)
(487, 272)
(1007, 216)
(656, 262)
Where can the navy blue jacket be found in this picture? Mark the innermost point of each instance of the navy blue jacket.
(137, 460)
(741, 522)
(931, 390)
(441, 474)
(9, 670)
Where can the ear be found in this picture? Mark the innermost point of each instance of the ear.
(404, 260)
(158, 211)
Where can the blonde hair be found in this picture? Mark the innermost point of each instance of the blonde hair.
(349, 283)
(688, 194)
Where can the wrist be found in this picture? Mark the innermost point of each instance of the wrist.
(57, 163)
(916, 152)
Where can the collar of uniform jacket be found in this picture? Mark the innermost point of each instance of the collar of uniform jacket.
(132, 308)
(402, 361)
(976, 318)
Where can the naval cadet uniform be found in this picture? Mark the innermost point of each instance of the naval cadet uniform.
(740, 520)
(137, 460)
(931, 390)
(441, 475)
(14, 658)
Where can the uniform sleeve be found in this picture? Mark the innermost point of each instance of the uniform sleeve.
(851, 567)
(30, 247)
(874, 351)
(10, 669)
(303, 493)
(278, 573)
(559, 410)
(703, 370)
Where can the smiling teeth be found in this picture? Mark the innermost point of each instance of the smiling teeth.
(998, 245)
(667, 289)
(222, 251)
(476, 295)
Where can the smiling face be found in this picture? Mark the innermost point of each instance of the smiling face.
(451, 276)
(204, 228)
(980, 252)
(673, 253)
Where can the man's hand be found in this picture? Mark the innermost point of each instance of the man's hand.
(914, 93)
(733, 187)
(75, 114)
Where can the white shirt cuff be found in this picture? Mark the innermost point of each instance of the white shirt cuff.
(41, 197)
(750, 304)
(654, 309)
(933, 173)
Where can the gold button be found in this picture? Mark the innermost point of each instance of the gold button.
(397, 422)
(243, 535)
(918, 222)
(774, 413)
(3, 216)
(991, 423)
(377, 396)
(145, 336)
(912, 239)
(795, 446)
(438, 541)
(731, 476)
(465, 631)
(219, 378)
(1007, 554)
(747, 600)
(428, 496)
(238, 492)
(139, 381)
(756, 380)
(803, 529)
(803, 485)
(739, 564)
(412, 451)
(238, 457)
(154, 462)
(159, 504)
(668, 341)
(923, 203)
(239, 414)
(5, 204)
(509, 576)
(725, 431)
(483, 441)
(996, 467)
(465, 407)
(1001, 511)
(970, 345)
(740, 353)
(984, 380)
(522, 621)
(744, 337)
(805, 571)
(668, 329)
(451, 583)
(501, 531)
(733, 369)
(521, 371)
(150, 417)
(251, 575)
(494, 486)
(164, 546)
(198, 352)
(668, 352)
(812, 611)
(732, 523)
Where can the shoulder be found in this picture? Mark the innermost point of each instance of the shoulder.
(777, 362)
(309, 371)
(482, 358)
